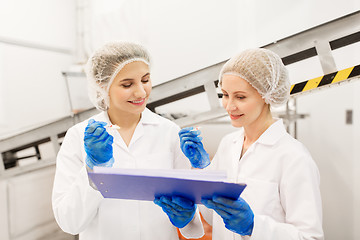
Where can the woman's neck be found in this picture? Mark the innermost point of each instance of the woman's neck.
(124, 119)
(254, 130)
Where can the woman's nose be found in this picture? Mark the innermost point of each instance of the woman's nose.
(230, 106)
(140, 91)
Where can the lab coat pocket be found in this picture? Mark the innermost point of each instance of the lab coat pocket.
(262, 196)
(163, 160)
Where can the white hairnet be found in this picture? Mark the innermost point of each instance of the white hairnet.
(264, 70)
(105, 63)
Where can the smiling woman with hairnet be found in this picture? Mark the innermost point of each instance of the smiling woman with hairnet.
(282, 199)
(119, 85)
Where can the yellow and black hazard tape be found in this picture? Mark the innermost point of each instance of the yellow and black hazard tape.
(325, 80)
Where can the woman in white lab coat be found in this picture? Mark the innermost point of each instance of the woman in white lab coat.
(282, 199)
(119, 85)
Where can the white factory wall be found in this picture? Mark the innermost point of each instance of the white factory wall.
(334, 146)
(32, 89)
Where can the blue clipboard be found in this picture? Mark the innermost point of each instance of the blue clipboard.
(123, 185)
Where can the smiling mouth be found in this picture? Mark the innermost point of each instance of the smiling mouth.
(235, 116)
(138, 102)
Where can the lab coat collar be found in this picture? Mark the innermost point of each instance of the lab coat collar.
(273, 133)
(147, 117)
(270, 136)
(104, 117)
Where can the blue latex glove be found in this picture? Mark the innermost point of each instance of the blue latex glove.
(98, 145)
(179, 210)
(192, 147)
(236, 214)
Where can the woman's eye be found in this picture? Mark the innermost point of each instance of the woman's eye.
(145, 80)
(225, 95)
(126, 85)
(241, 97)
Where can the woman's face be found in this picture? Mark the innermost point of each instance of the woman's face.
(131, 88)
(242, 102)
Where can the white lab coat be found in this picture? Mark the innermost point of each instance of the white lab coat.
(282, 186)
(79, 209)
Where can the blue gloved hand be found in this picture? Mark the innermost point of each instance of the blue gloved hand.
(236, 214)
(192, 147)
(179, 210)
(98, 145)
